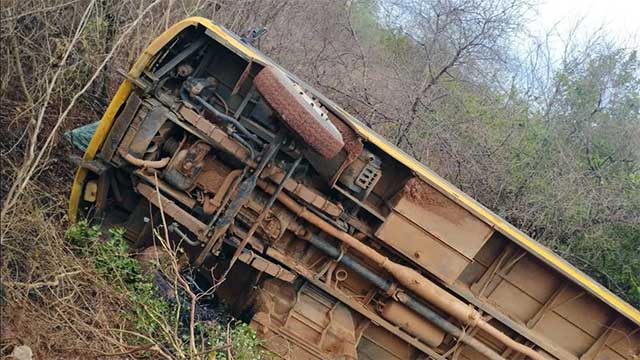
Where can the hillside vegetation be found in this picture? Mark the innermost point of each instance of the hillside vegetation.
(543, 129)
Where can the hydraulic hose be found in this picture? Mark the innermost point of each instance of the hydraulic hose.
(187, 97)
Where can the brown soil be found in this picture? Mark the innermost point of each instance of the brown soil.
(420, 193)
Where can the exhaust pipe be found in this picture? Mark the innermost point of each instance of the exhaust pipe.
(409, 301)
(410, 279)
(412, 323)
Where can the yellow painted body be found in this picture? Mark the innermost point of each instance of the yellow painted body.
(499, 224)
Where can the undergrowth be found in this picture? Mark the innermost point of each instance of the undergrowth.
(111, 259)
(80, 293)
(150, 313)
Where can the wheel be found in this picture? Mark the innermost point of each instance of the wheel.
(299, 111)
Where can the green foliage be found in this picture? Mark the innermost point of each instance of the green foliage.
(245, 343)
(82, 236)
(634, 179)
(587, 166)
(111, 259)
(366, 23)
(148, 312)
(611, 254)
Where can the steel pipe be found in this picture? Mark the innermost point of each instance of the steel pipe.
(402, 297)
(152, 164)
(413, 323)
(411, 279)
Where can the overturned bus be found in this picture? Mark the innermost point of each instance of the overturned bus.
(333, 243)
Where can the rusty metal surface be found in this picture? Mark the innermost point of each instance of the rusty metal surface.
(180, 196)
(214, 132)
(222, 193)
(442, 218)
(242, 78)
(433, 231)
(420, 246)
(532, 299)
(362, 175)
(212, 177)
(132, 130)
(265, 266)
(186, 165)
(171, 209)
(148, 129)
(316, 326)
(120, 127)
(377, 343)
(306, 194)
(353, 145)
(412, 323)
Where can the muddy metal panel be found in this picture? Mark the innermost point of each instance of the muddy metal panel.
(304, 315)
(434, 231)
(442, 218)
(377, 343)
(428, 251)
(534, 299)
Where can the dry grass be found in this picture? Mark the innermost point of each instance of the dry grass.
(59, 61)
(53, 300)
(78, 294)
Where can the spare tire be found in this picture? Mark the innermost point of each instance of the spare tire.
(299, 111)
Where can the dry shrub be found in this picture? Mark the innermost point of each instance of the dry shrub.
(58, 70)
(52, 300)
(84, 295)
